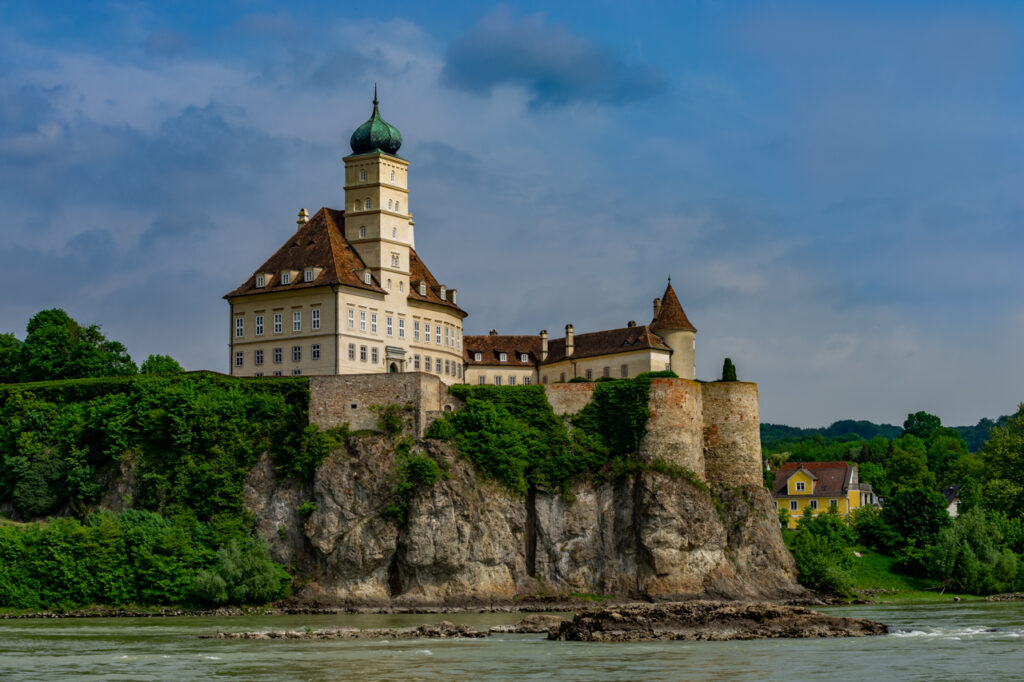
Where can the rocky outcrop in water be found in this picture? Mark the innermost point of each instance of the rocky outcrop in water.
(709, 620)
(442, 630)
(468, 541)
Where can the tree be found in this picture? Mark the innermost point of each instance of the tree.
(728, 370)
(57, 347)
(917, 515)
(945, 447)
(160, 364)
(968, 557)
(10, 358)
(922, 425)
(907, 464)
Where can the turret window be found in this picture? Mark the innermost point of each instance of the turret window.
(397, 204)
(390, 204)
(394, 260)
(392, 176)
(362, 232)
(401, 285)
(394, 233)
(366, 204)
(362, 175)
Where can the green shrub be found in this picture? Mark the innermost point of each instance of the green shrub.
(243, 573)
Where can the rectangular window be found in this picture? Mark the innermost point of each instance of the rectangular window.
(259, 325)
(833, 504)
(792, 505)
(296, 372)
(527, 381)
(447, 336)
(373, 323)
(590, 374)
(296, 320)
(278, 323)
(426, 332)
(624, 371)
(239, 358)
(308, 275)
(394, 260)
(351, 319)
(373, 355)
(401, 328)
(315, 315)
(561, 377)
(437, 334)
(362, 353)
(426, 363)
(351, 351)
(278, 354)
(477, 357)
(437, 365)
(512, 381)
(799, 486)
(503, 357)
(239, 327)
(362, 320)
(260, 281)
(523, 357)
(607, 372)
(259, 357)
(277, 372)
(415, 330)
(415, 362)
(258, 374)
(314, 351)
(481, 379)
(296, 353)
(814, 504)
(389, 325)
(286, 278)
(497, 380)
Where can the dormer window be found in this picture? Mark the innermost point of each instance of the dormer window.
(800, 486)
(523, 357)
(362, 232)
(367, 278)
(444, 293)
(286, 278)
(307, 276)
(261, 281)
(366, 204)
(478, 357)
(423, 288)
(503, 357)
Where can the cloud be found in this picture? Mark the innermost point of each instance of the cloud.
(554, 65)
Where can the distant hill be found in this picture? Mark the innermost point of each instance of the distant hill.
(975, 436)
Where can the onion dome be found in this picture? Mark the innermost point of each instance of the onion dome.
(376, 135)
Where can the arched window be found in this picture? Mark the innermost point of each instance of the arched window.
(355, 206)
(366, 204)
(398, 205)
(390, 204)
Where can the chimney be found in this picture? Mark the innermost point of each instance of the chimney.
(543, 345)
(303, 217)
(657, 307)
(493, 332)
(631, 323)
(569, 340)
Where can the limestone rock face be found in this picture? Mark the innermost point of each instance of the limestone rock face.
(468, 541)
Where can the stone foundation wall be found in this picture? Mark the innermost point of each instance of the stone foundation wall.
(675, 428)
(732, 433)
(569, 398)
(346, 399)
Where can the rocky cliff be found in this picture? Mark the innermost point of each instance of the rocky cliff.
(469, 541)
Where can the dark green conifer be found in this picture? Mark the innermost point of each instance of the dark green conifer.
(728, 370)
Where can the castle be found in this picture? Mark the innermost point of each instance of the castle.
(348, 294)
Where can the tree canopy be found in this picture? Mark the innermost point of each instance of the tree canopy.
(160, 364)
(57, 347)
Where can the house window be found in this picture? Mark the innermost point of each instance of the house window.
(277, 373)
(792, 505)
(482, 379)
(391, 204)
(437, 334)
(259, 325)
(523, 357)
(512, 381)
(278, 322)
(308, 275)
(561, 377)
(260, 281)
(258, 374)
(460, 371)
(367, 278)
(833, 504)
(296, 320)
(477, 356)
(590, 374)
(373, 355)
(394, 232)
(278, 355)
(392, 176)
(362, 353)
(447, 367)
(426, 363)
(401, 328)
(526, 381)
(296, 372)
(362, 232)
(437, 365)
(373, 323)
(259, 357)
(351, 351)
(397, 204)
(366, 204)
(362, 320)
(814, 504)
(239, 358)
(315, 315)
(426, 332)
(800, 486)
(314, 351)
(447, 336)
(607, 372)
(362, 175)
(389, 325)
(544, 379)
(624, 371)
(415, 330)
(389, 284)
(401, 285)
(668, 366)
(497, 380)
(351, 319)
(296, 353)
(502, 357)
(415, 362)
(286, 278)
(239, 327)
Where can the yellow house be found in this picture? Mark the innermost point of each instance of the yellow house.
(821, 486)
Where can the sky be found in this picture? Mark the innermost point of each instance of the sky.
(835, 189)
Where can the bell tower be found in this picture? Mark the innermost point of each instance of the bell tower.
(378, 223)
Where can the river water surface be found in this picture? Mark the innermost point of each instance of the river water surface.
(929, 642)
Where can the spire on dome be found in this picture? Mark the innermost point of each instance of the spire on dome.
(671, 315)
(376, 135)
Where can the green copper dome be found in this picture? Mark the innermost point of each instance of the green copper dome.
(376, 135)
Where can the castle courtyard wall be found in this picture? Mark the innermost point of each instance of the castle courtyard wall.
(732, 433)
(675, 427)
(346, 399)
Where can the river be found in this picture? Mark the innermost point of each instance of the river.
(974, 640)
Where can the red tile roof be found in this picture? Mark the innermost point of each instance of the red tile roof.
(491, 346)
(584, 345)
(418, 272)
(671, 315)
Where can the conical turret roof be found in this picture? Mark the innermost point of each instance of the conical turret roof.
(671, 316)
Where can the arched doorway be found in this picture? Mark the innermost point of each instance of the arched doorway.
(393, 369)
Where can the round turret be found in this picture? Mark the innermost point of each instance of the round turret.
(376, 135)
